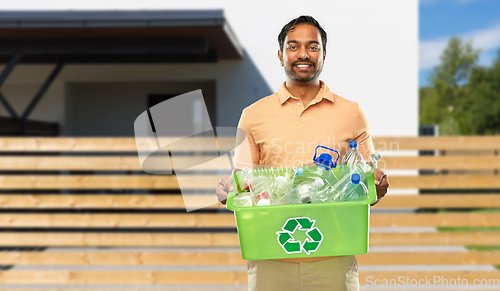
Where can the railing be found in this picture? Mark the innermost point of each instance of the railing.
(80, 212)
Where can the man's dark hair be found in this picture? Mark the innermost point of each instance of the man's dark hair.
(299, 20)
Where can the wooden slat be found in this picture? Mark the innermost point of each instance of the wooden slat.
(227, 239)
(118, 220)
(440, 163)
(102, 201)
(441, 201)
(227, 220)
(64, 288)
(445, 182)
(129, 144)
(441, 219)
(124, 277)
(210, 182)
(119, 239)
(33, 163)
(470, 276)
(98, 144)
(199, 258)
(430, 258)
(36, 163)
(437, 143)
(159, 201)
(207, 277)
(104, 182)
(153, 258)
(435, 238)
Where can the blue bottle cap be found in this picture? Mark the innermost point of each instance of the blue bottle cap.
(353, 144)
(298, 171)
(324, 161)
(355, 178)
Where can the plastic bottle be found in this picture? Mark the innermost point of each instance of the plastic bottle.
(303, 193)
(279, 187)
(263, 202)
(258, 187)
(321, 168)
(353, 157)
(323, 194)
(354, 190)
(243, 201)
(374, 158)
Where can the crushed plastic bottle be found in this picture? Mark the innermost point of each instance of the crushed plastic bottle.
(355, 190)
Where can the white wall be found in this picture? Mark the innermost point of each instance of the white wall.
(371, 52)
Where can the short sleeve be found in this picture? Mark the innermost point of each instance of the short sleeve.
(246, 151)
(363, 135)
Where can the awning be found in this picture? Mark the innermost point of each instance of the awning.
(117, 36)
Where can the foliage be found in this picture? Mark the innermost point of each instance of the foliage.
(464, 98)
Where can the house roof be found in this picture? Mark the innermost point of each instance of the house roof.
(117, 36)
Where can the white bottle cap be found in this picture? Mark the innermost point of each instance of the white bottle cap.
(319, 183)
(281, 180)
(263, 202)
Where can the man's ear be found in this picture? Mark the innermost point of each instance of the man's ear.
(324, 55)
(280, 56)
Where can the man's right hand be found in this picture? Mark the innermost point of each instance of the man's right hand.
(223, 188)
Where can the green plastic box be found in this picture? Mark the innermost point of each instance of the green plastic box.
(302, 230)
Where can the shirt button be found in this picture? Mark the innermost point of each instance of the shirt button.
(298, 103)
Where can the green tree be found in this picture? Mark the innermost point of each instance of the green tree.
(441, 104)
(482, 103)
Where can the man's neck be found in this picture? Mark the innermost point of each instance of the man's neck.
(305, 91)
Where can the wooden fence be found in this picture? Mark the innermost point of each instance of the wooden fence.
(79, 212)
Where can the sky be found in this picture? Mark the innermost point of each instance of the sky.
(439, 20)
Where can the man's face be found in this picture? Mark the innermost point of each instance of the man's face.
(303, 54)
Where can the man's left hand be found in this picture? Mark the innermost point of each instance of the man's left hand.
(381, 182)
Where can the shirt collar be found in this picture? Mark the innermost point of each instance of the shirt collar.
(324, 92)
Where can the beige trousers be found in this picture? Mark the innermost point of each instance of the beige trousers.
(339, 274)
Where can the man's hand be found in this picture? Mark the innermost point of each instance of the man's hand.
(223, 188)
(381, 182)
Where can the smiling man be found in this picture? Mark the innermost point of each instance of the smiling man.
(283, 129)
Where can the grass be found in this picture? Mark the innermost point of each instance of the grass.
(481, 210)
(468, 228)
(483, 248)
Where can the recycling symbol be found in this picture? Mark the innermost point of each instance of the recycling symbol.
(292, 246)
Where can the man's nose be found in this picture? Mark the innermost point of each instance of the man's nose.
(303, 53)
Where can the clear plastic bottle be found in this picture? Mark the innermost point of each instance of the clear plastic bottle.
(258, 187)
(355, 190)
(244, 200)
(323, 194)
(263, 202)
(374, 158)
(321, 167)
(279, 187)
(303, 193)
(353, 157)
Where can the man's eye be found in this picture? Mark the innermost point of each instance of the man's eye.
(292, 47)
(314, 48)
